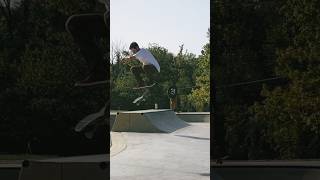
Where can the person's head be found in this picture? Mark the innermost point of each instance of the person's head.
(134, 47)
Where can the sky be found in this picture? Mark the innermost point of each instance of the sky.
(168, 23)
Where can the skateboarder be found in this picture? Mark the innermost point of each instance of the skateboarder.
(87, 30)
(150, 65)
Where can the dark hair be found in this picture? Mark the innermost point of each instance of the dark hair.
(134, 45)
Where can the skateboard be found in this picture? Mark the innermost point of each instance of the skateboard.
(142, 98)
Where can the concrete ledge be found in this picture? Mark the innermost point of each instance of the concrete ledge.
(194, 116)
(9, 172)
(266, 170)
(79, 167)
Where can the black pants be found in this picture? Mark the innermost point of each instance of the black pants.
(149, 70)
(87, 31)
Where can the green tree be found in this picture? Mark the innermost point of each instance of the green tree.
(175, 70)
(245, 37)
(38, 66)
(200, 95)
(289, 115)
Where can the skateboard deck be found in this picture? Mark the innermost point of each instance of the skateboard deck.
(142, 98)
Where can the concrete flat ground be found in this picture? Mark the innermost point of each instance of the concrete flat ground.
(181, 155)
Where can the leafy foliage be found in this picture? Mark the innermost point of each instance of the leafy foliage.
(38, 65)
(277, 119)
(201, 95)
(176, 70)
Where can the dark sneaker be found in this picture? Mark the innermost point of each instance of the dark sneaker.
(92, 80)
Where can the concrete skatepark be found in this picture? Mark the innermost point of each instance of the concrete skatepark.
(157, 144)
(180, 150)
(147, 144)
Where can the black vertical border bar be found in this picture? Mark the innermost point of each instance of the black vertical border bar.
(216, 122)
(107, 110)
(212, 87)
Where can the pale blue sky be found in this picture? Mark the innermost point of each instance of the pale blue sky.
(168, 23)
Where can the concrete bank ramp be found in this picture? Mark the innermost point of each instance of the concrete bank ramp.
(149, 121)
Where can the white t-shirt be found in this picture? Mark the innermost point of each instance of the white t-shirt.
(145, 56)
